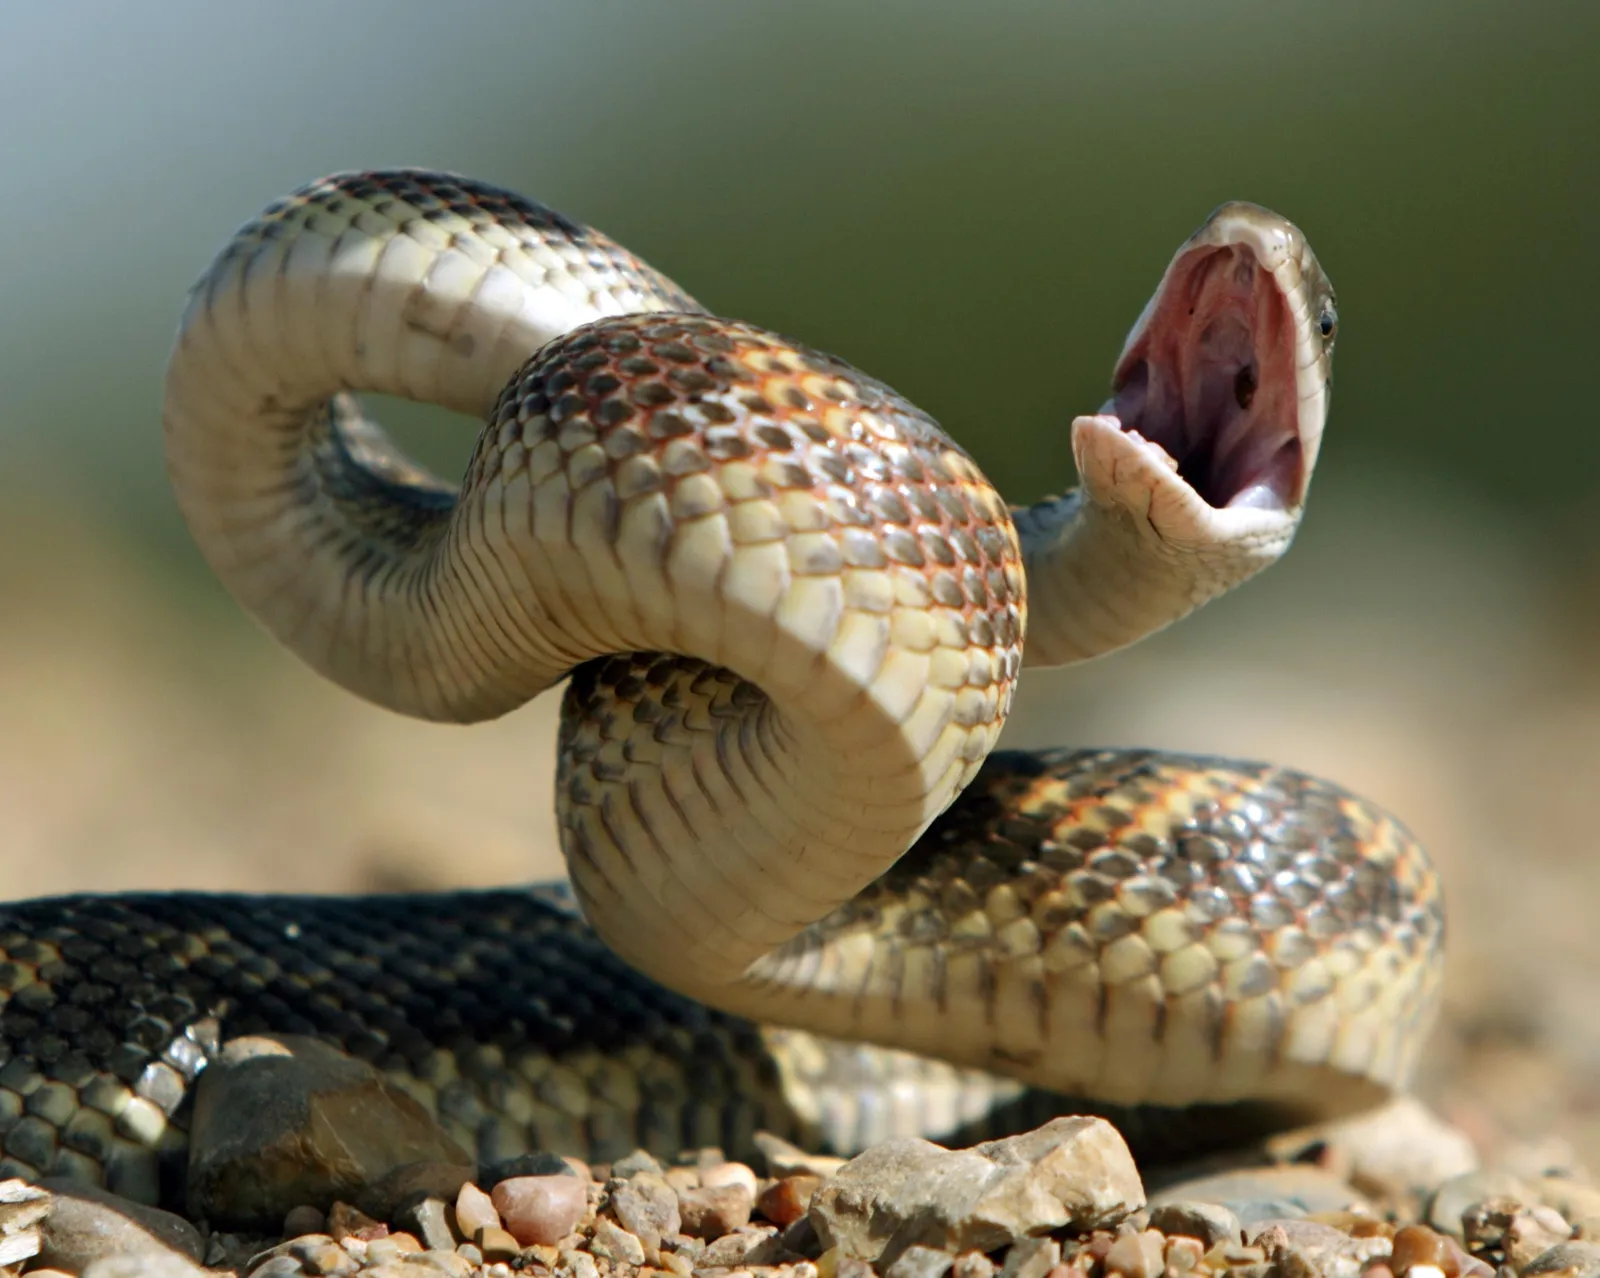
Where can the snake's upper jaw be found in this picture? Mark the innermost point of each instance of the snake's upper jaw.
(1221, 391)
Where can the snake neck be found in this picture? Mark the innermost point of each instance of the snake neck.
(1101, 579)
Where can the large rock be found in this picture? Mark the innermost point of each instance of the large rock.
(1071, 1173)
(283, 1120)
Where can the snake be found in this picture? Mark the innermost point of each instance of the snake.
(805, 892)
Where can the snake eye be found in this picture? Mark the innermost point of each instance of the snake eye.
(1328, 321)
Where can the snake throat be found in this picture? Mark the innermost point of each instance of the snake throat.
(1209, 377)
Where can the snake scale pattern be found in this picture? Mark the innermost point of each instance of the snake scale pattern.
(805, 894)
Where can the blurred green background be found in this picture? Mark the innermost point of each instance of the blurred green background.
(969, 201)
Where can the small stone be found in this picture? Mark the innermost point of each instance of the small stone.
(646, 1206)
(430, 1218)
(1460, 1263)
(1211, 1223)
(1576, 1200)
(1034, 1258)
(127, 1266)
(972, 1264)
(1509, 1226)
(1568, 1259)
(345, 1221)
(580, 1264)
(799, 1239)
(752, 1245)
(475, 1210)
(613, 1242)
(638, 1161)
(278, 1267)
(540, 1209)
(87, 1224)
(784, 1159)
(1298, 1248)
(1532, 1232)
(22, 1207)
(1184, 1253)
(1456, 1196)
(1136, 1255)
(19, 1245)
(496, 1244)
(1072, 1173)
(1259, 1195)
(711, 1212)
(281, 1120)
(784, 1201)
(393, 1247)
(920, 1262)
(536, 1164)
(326, 1258)
(304, 1219)
(730, 1174)
(682, 1177)
(1416, 1245)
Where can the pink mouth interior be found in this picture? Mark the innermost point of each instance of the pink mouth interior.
(1211, 379)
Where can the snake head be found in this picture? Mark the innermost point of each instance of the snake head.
(1221, 391)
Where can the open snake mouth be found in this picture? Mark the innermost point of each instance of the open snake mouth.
(1208, 375)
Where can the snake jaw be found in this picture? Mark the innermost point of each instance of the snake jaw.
(1221, 390)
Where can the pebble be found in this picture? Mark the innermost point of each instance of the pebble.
(1211, 1223)
(304, 1219)
(634, 1163)
(135, 1266)
(283, 1120)
(1310, 1249)
(784, 1159)
(86, 1224)
(494, 1243)
(730, 1174)
(784, 1201)
(646, 1206)
(1031, 1258)
(1569, 1260)
(972, 1264)
(920, 1262)
(475, 1210)
(710, 1212)
(1259, 1195)
(752, 1245)
(430, 1219)
(612, 1242)
(1136, 1254)
(1072, 1173)
(540, 1209)
(1452, 1199)
(23, 1209)
(345, 1221)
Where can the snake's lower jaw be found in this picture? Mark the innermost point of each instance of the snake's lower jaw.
(1119, 468)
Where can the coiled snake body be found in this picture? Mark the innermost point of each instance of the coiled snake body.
(794, 614)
